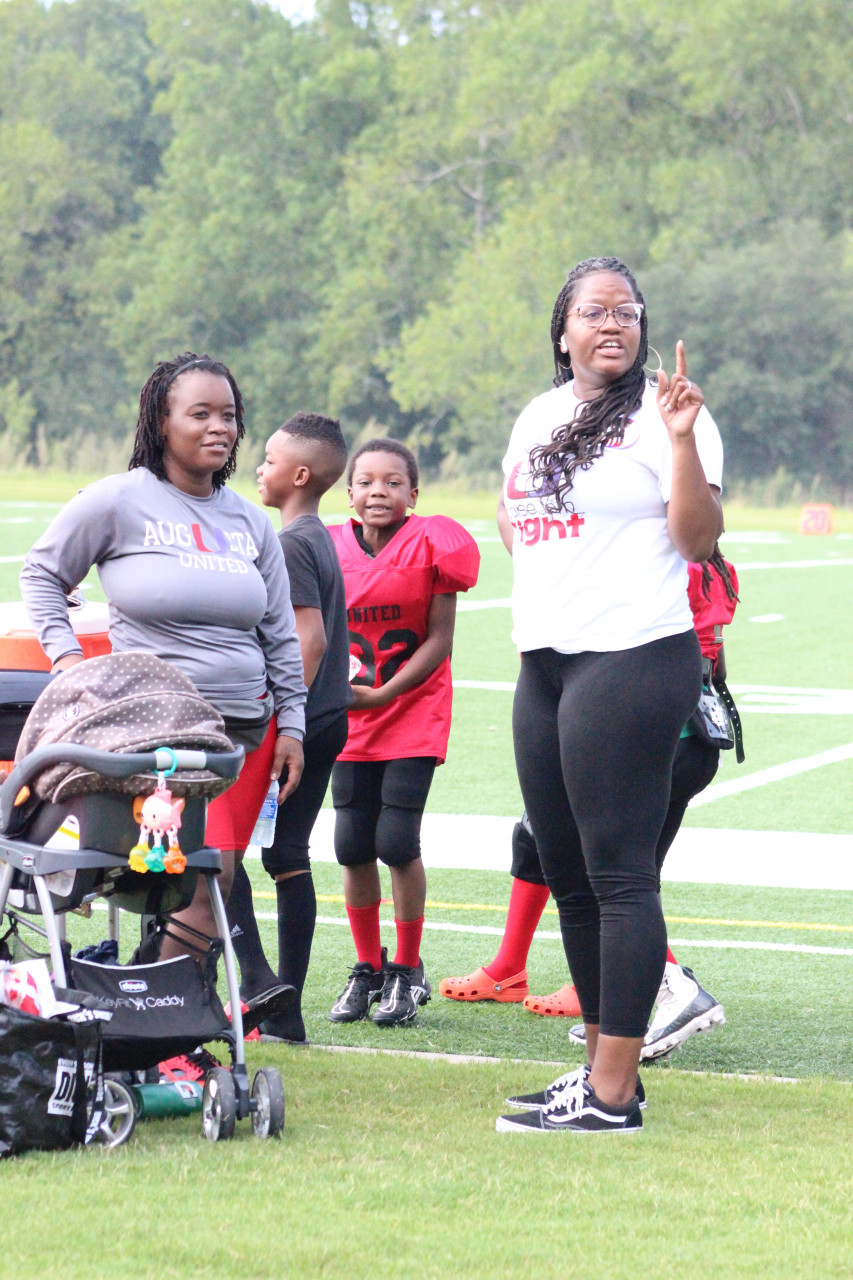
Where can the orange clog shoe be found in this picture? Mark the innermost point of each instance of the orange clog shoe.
(562, 1004)
(480, 986)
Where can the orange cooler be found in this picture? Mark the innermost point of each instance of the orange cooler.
(19, 646)
(21, 651)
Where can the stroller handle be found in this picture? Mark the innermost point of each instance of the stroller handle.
(113, 764)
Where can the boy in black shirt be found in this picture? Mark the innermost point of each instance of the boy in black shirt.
(303, 459)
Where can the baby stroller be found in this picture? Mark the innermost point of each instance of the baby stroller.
(160, 1008)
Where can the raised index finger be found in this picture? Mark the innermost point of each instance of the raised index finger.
(680, 358)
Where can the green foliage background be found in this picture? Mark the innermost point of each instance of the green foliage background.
(371, 212)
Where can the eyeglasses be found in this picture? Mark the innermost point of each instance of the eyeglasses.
(626, 315)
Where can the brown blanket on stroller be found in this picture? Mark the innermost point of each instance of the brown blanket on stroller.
(123, 702)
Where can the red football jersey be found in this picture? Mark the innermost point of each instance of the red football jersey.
(388, 602)
(710, 616)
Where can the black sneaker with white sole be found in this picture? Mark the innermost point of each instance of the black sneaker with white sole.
(364, 987)
(577, 1109)
(684, 1008)
(405, 990)
(536, 1101)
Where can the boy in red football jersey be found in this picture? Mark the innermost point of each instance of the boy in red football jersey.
(402, 574)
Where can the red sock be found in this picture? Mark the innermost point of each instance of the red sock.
(409, 934)
(670, 958)
(526, 904)
(364, 922)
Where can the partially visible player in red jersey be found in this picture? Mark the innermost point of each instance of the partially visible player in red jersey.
(684, 1008)
(402, 574)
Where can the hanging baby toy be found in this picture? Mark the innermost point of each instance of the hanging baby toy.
(160, 815)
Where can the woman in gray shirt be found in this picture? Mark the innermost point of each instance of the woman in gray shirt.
(194, 574)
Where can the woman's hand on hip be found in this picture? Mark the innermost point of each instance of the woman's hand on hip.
(679, 399)
(288, 761)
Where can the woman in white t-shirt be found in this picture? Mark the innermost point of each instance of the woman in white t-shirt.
(612, 486)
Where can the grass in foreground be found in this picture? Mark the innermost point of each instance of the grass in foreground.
(391, 1167)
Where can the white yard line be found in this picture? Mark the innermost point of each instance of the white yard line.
(552, 935)
(776, 773)
(768, 699)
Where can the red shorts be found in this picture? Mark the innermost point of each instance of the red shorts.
(231, 817)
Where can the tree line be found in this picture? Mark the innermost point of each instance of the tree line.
(370, 213)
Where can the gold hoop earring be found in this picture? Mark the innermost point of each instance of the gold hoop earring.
(653, 377)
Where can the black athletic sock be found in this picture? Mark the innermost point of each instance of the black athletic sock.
(297, 914)
(256, 974)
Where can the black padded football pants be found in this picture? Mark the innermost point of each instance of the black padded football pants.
(595, 736)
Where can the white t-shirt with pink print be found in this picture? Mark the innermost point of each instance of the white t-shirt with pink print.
(600, 573)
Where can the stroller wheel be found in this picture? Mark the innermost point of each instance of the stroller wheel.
(219, 1105)
(267, 1103)
(119, 1114)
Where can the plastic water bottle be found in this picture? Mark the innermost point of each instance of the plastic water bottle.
(264, 832)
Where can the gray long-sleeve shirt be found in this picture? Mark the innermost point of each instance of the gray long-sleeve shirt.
(201, 582)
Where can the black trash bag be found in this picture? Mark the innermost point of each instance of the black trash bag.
(51, 1082)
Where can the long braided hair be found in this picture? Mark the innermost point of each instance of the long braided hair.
(717, 562)
(578, 443)
(148, 446)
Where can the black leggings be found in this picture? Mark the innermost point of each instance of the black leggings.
(694, 768)
(595, 736)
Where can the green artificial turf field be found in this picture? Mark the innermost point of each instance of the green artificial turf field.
(390, 1165)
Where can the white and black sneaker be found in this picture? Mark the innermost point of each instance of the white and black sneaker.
(577, 1034)
(537, 1101)
(405, 990)
(683, 1009)
(364, 987)
(577, 1109)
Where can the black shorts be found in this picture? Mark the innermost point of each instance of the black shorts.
(298, 813)
(379, 805)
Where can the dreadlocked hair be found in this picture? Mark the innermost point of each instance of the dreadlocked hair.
(716, 562)
(148, 445)
(578, 443)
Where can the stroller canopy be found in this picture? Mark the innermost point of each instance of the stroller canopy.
(123, 702)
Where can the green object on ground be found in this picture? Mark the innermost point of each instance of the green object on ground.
(175, 1098)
